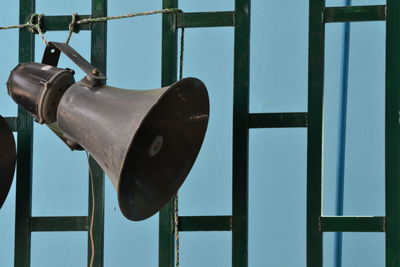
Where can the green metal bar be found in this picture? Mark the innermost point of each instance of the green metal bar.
(278, 120)
(205, 223)
(354, 13)
(51, 224)
(206, 19)
(61, 23)
(392, 131)
(23, 205)
(314, 135)
(13, 123)
(240, 161)
(98, 59)
(168, 76)
(352, 224)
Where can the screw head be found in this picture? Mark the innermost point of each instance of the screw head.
(95, 71)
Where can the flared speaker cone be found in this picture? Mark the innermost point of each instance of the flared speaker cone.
(179, 119)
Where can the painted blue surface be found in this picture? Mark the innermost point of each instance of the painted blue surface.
(277, 156)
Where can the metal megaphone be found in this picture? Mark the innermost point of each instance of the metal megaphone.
(146, 141)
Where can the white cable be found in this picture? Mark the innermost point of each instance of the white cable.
(92, 216)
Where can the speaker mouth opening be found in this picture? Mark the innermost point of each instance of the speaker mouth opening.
(149, 180)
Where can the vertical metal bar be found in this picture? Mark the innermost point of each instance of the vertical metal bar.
(99, 60)
(22, 251)
(314, 136)
(240, 161)
(392, 133)
(168, 76)
(341, 156)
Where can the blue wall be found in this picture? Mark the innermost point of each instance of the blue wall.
(279, 51)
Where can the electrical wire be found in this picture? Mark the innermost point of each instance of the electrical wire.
(92, 246)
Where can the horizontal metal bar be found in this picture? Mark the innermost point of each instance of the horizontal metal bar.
(61, 23)
(13, 123)
(205, 223)
(278, 120)
(206, 19)
(58, 224)
(352, 224)
(354, 13)
(184, 20)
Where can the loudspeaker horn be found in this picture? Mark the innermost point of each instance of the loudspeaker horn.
(146, 141)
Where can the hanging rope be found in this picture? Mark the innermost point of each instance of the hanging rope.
(181, 54)
(35, 21)
(176, 230)
(15, 26)
(176, 202)
(32, 25)
(71, 27)
(131, 15)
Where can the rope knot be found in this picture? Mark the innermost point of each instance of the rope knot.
(35, 23)
(74, 22)
(72, 27)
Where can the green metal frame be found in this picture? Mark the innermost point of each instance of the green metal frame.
(237, 223)
(317, 224)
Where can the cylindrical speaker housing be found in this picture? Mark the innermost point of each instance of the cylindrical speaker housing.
(38, 88)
